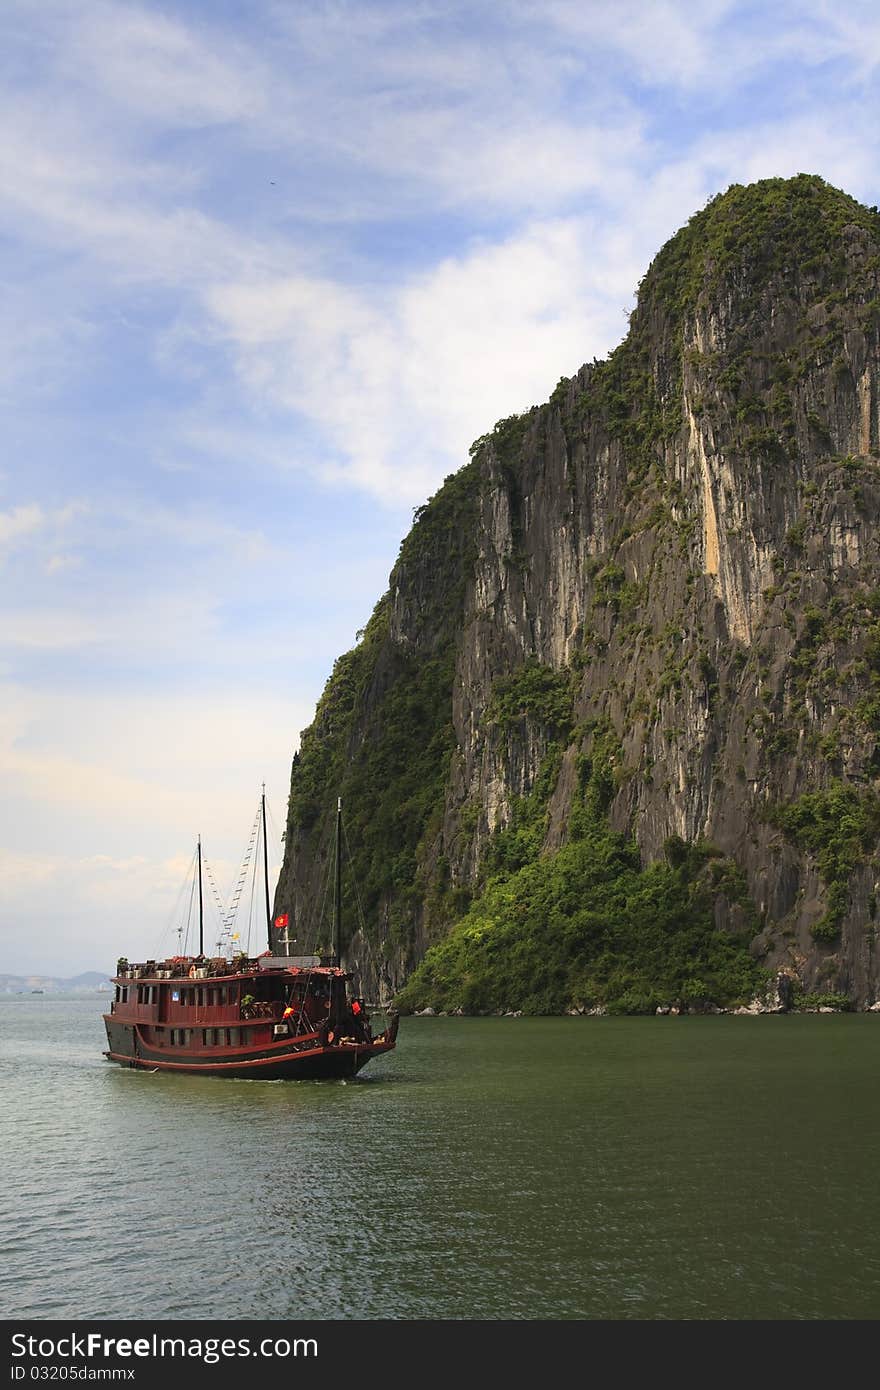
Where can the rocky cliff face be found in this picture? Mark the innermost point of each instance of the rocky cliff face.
(679, 555)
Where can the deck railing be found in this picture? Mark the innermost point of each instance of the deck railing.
(181, 967)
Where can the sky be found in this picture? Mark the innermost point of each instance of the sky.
(268, 270)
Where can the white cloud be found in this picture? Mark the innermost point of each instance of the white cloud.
(721, 45)
(110, 220)
(149, 62)
(111, 906)
(125, 786)
(20, 521)
(127, 539)
(666, 42)
(402, 382)
(47, 630)
(397, 376)
(59, 564)
(466, 158)
(820, 33)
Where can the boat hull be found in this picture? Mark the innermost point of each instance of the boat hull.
(275, 1063)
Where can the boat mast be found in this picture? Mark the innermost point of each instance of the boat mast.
(338, 932)
(266, 873)
(201, 906)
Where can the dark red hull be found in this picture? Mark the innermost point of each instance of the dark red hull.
(288, 1060)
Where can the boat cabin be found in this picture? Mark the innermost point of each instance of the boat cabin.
(191, 1002)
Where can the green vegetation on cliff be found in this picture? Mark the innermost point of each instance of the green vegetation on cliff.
(587, 927)
(743, 241)
(839, 825)
(395, 783)
(533, 692)
(749, 233)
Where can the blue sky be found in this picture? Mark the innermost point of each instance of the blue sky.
(269, 270)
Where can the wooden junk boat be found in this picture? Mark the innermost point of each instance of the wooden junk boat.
(263, 1018)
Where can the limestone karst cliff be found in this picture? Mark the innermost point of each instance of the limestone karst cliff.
(658, 597)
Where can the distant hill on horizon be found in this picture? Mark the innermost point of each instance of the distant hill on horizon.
(15, 984)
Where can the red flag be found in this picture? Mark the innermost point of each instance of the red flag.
(281, 922)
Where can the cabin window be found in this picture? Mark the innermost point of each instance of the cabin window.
(233, 1037)
(209, 1037)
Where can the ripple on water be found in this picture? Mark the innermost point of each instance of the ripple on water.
(532, 1168)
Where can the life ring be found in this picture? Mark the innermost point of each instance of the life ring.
(192, 972)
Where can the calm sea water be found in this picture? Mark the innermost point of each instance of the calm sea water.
(490, 1168)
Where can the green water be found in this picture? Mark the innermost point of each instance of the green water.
(490, 1168)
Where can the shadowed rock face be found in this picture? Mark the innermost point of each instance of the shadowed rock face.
(680, 548)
